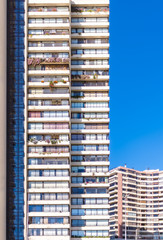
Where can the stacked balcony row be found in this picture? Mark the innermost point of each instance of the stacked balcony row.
(48, 127)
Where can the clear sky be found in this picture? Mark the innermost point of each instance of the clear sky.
(136, 83)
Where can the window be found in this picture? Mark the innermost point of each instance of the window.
(78, 212)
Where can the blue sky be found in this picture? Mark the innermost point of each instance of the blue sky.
(136, 83)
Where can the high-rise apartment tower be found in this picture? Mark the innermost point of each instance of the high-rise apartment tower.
(136, 203)
(57, 119)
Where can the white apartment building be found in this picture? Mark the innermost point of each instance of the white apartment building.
(66, 120)
(136, 202)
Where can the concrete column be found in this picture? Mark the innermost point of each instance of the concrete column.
(3, 66)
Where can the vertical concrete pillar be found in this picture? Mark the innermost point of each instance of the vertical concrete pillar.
(3, 65)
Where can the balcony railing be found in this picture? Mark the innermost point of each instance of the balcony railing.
(88, 84)
(84, 75)
(48, 91)
(64, 126)
(89, 30)
(89, 191)
(46, 161)
(48, 173)
(89, 9)
(53, 102)
(51, 60)
(48, 9)
(47, 20)
(80, 137)
(48, 44)
(92, 158)
(44, 67)
(48, 150)
(89, 41)
(45, 32)
(47, 114)
(47, 141)
(89, 181)
(47, 78)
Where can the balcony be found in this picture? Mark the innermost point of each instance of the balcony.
(92, 217)
(90, 56)
(90, 131)
(49, 190)
(90, 152)
(47, 37)
(52, 238)
(91, 67)
(91, 46)
(41, 13)
(43, 178)
(90, 141)
(45, 143)
(90, 228)
(48, 49)
(49, 131)
(48, 154)
(48, 61)
(48, 119)
(87, 238)
(49, 214)
(97, 184)
(91, 89)
(90, 77)
(89, 9)
(89, 110)
(90, 35)
(59, 83)
(89, 3)
(48, 226)
(50, 71)
(87, 195)
(86, 173)
(89, 24)
(48, 26)
(39, 202)
(52, 165)
(91, 163)
(49, 96)
(48, 66)
(90, 99)
(91, 13)
(48, 2)
(47, 108)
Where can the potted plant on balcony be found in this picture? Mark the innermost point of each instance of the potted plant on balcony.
(98, 9)
(65, 60)
(51, 85)
(35, 141)
(53, 141)
(47, 141)
(95, 76)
